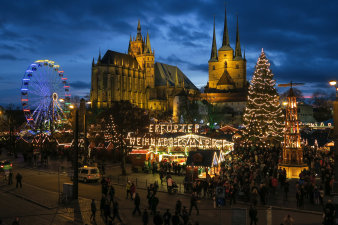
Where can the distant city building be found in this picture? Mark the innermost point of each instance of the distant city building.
(305, 113)
(137, 78)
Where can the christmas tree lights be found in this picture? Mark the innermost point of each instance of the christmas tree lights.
(263, 117)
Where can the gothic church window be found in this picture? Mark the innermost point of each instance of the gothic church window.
(225, 64)
(237, 66)
(213, 67)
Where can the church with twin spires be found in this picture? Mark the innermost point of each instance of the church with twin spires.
(137, 78)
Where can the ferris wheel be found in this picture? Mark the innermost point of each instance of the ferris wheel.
(45, 96)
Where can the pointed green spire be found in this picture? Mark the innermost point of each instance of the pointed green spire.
(226, 42)
(238, 52)
(213, 56)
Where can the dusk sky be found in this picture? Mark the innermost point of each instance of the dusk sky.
(299, 37)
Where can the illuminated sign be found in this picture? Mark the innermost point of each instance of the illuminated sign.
(189, 140)
(163, 128)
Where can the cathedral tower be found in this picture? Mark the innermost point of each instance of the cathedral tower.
(141, 50)
(227, 69)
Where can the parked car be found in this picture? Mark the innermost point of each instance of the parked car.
(87, 174)
(5, 165)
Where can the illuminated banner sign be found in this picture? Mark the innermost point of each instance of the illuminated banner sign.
(163, 128)
(183, 141)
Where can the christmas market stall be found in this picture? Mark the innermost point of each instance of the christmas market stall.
(203, 163)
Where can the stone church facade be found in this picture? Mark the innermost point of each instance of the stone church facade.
(137, 78)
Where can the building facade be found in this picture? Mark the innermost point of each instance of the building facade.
(137, 78)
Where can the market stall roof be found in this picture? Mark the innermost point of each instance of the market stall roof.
(205, 158)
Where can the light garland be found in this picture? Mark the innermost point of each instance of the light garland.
(263, 115)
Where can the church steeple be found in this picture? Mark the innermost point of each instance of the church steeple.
(99, 59)
(139, 35)
(238, 52)
(93, 63)
(213, 56)
(147, 48)
(226, 42)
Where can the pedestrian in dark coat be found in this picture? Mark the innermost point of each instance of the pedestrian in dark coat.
(10, 177)
(158, 219)
(154, 203)
(93, 209)
(178, 207)
(193, 203)
(185, 216)
(18, 180)
(253, 215)
(145, 217)
(111, 193)
(102, 203)
(167, 217)
(175, 219)
(116, 212)
(107, 211)
(137, 202)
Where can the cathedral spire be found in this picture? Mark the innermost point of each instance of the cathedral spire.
(226, 42)
(147, 48)
(213, 56)
(238, 52)
(99, 59)
(93, 63)
(139, 35)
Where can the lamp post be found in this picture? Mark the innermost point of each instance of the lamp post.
(335, 139)
(76, 154)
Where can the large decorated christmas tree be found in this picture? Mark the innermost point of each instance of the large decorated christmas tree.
(263, 117)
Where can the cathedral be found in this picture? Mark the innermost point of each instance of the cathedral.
(137, 78)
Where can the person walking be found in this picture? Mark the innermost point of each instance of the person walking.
(145, 217)
(102, 203)
(185, 216)
(253, 215)
(10, 177)
(158, 220)
(93, 209)
(128, 185)
(167, 217)
(111, 193)
(154, 203)
(178, 207)
(18, 180)
(193, 203)
(137, 202)
(286, 190)
(107, 211)
(116, 212)
(175, 219)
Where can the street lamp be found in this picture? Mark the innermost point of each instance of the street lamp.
(335, 138)
(334, 83)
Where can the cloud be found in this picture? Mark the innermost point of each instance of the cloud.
(9, 57)
(79, 85)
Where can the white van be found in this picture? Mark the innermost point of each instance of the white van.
(87, 174)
